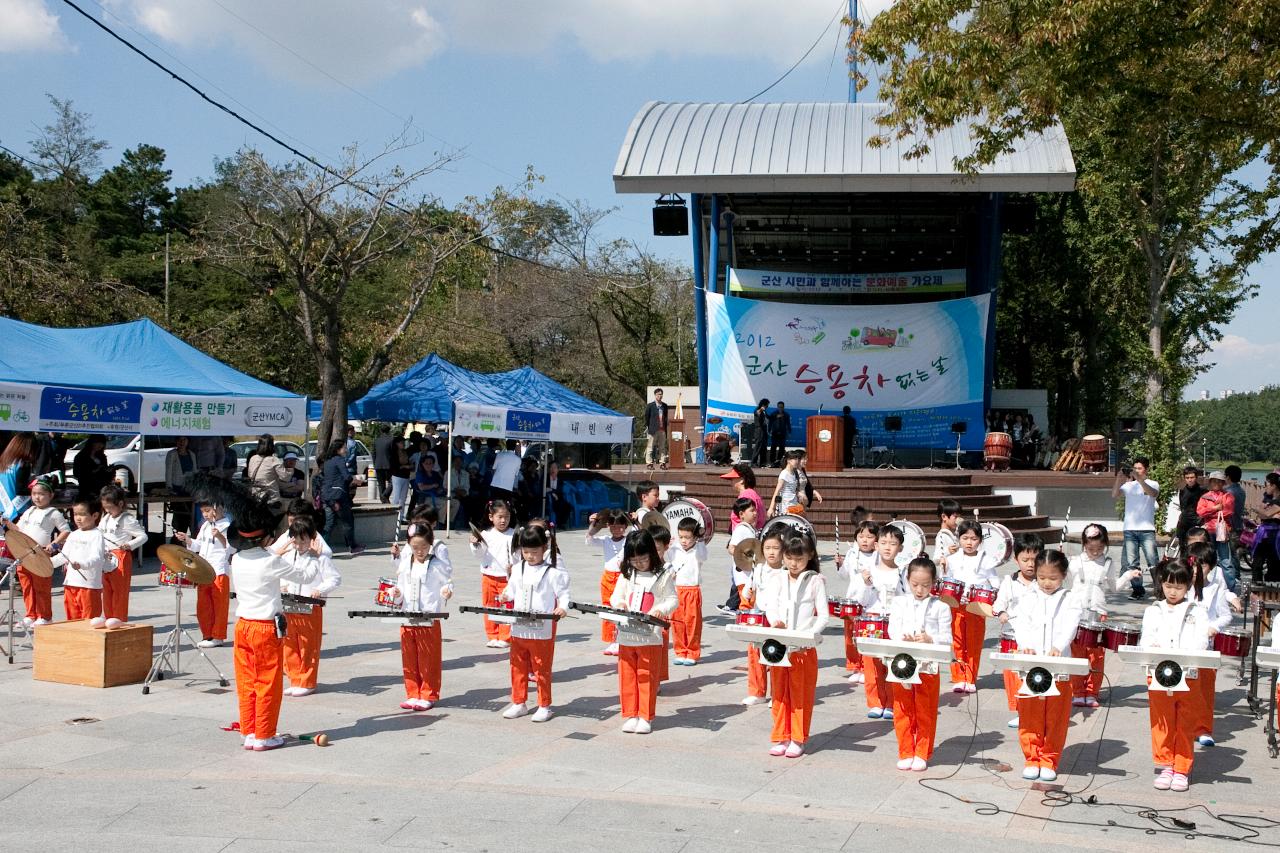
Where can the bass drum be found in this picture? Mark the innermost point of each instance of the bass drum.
(683, 508)
(997, 543)
(798, 523)
(913, 541)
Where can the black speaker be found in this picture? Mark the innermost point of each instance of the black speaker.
(773, 651)
(1039, 680)
(1168, 674)
(893, 423)
(1018, 215)
(960, 427)
(903, 665)
(670, 220)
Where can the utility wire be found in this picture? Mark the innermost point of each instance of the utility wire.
(785, 74)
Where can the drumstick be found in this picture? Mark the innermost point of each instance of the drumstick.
(837, 519)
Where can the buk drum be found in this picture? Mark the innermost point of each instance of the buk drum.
(1089, 634)
(950, 591)
(387, 595)
(683, 508)
(997, 543)
(1008, 645)
(798, 523)
(868, 625)
(913, 541)
(980, 600)
(1093, 448)
(1118, 634)
(752, 617)
(168, 577)
(996, 451)
(1233, 642)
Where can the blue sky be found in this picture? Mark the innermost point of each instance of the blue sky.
(552, 84)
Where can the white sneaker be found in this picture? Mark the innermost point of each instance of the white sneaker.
(1013, 724)
(97, 622)
(113, 622)
(288, 691)
(28, 621)
(970, 688)
(492, 644)
(857, 678)
(1078, 702)
(795, 750)
(755, 700)
(208, 644)
(904, 764)
(543, 714)
(40, 621)
(611, 649)
(269, 743)
(642, 726)
(1048, 774)
(630, 725)
(515, 710)
(1031, 771)
(1205, 740)
(423, 704)
(250, 741)
(919, 765)
(501, 644)
(958, 687)
(302, 691)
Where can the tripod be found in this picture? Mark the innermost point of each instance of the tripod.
(173, 646)
(957, 451)
(892, 462)
(9, 619)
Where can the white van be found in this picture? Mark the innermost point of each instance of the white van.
(123, 450)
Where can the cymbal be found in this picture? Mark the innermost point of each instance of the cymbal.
(745, 554)
(656, 521)
(30, 555)
(189, 563)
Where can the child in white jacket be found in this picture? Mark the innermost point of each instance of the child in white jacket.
(539, 584)
(1209, 590)
(863, 555)
(875, 589)
(919, 618)
(798, 603)
(1089, 573)
(424, 583)
(85, 555)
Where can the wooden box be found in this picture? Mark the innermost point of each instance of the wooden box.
(74, 653)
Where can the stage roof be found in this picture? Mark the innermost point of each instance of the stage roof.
(815, 148)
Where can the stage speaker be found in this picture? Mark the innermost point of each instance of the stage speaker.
(960, 427)
(893, 423)
(670, 217)
(1018, 215)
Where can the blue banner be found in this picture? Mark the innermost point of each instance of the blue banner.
(72, 409)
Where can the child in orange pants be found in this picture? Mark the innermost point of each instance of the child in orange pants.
(1026, 549)
(48, 528)
(918, 618)
(493, 547)
(687, 559)
(1208, 588)
(752, 595)
(424, 583)
(617, 522)
(876, 589)
(86, 556)
(797, 601)
(213, 599)
(1089, 572)
(306, 630)
(539, 584)
(125, 536)
(1045, 624)
(645, 586)
(862, 556)
(972, 568)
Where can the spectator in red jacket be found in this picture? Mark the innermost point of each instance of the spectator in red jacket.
(1216, 509)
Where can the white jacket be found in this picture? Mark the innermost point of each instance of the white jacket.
(799, 604)
(688, 564)
(885, 586)
(611, 548)
(1184, 626)
(760, 584)
(1087, 579)
(422, 585)
(1045, 623)
(910, 615)
(741, 533)
(91, 550)
(630, 594)
(123, 531)
(1011, 592)
(539, 589)
(494, 552)
(330, 577)
(1214, 600)
(970, 570)
(942, 544)
(208, 546)
(854, 562)
(256, 575)
(42, 525)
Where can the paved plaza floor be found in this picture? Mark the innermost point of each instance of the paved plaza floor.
(119, 770)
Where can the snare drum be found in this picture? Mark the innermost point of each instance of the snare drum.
(683, 508)
(997, 543)
(980, 600)
(876, 627)
(1233, 642)
(1089, 634)
(1008, 645)
(950, 591)
(850, 609)
(754, 618)
(1118, 634)
(913, 541)
(387, 594)
(168, 577)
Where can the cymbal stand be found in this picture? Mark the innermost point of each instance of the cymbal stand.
(9, 620)
(891, 463)
(958, 451)
(173, 646)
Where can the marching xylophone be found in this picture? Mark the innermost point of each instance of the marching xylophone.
(1261, 600)
(299, 604)
(1269, 658)
(774, 642)
(905, 660)
(398, 617)
(1169, 669)
(1040, 673)
(508, 615)
(622, 617)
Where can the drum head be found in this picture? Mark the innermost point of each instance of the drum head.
(997, 542)
(913, 541)
(796, 522)
(682, 508)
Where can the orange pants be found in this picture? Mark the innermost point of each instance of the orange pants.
(852, 660)
(490, 589)
(1011, 684)
(420, 660)
(967, 632)
(686, 623)
(37, 594)
(758, 677)
(212, 601)
(534, 656)
(1042, 728)
(915, 716)
(115, 587)
(1088, 685)
(879, 694)
(638, 680)
(82, 603)
(1207, 684)
(1173, 720)
(302, 647)
(259, 676)
(608, 582)
(793, 692)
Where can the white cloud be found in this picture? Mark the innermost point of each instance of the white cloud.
(27, 26)
(1235, 361)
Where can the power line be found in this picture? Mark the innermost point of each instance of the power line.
(33, 164)
(785, 74)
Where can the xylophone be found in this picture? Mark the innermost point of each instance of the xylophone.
(509, 615)
(614, 614)
(398, 617)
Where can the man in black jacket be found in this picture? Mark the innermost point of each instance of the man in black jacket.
(655, 427)
(760, 435)
(382, 462)
(1188, 497)
(779, 429)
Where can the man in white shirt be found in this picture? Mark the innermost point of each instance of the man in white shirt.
(506, 466)
(1140, 496)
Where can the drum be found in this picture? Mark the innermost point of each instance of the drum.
(1008, 645)
(833, 607)
(849, 609)
(950, 591)
(168, 577)
(873, 626)
(1089, 634)
(980, 600)
(996, 451)
(798, 523)
(913, 541)
(682, 508)
(1118, 634)
(754, 618)
(1093, 449)
(387, 594)
(1233, 642)
(1248, 534)
(934, 590)
(997, 543)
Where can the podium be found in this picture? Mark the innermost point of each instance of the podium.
(675, 443)
(824, 442)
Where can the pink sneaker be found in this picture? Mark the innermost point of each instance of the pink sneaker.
(795, 750)
(408, 705)
(1165, 780)
(1179, 782)
(779, 748)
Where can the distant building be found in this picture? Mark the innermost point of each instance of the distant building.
(1227, 392)
(1204, 395)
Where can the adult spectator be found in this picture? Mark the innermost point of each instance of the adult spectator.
(264, 472)
(460, 484)
(760, 434)
(1140, 496)
(336, 494)
(352, 451)
(850, 435)
(506, 467)
(1236, 491)
(656, 418)
(557, 507)
(529, 489)
(91, 469)
(1266, 548)
(230, 462)
(1216, 509)
(382, 462)
(208, 451)
(744, 486)
(1189, 494)
(178, 463)
(779, 429)
(51, 450)
(401, 471)
(428, 484)
(294, 482)
(15, 475)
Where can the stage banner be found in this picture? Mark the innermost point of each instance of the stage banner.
(832, 284)
(501, 422)
(924, 362)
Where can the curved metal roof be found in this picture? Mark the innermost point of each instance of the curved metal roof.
(817, 148)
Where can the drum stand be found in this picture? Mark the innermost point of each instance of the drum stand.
(1258, 608)
(1273, 745)
(892, 462)
(9, 618)
(173, 646)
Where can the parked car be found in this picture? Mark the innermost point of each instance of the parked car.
(364, 459)
(122, 451)
(243, 449)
